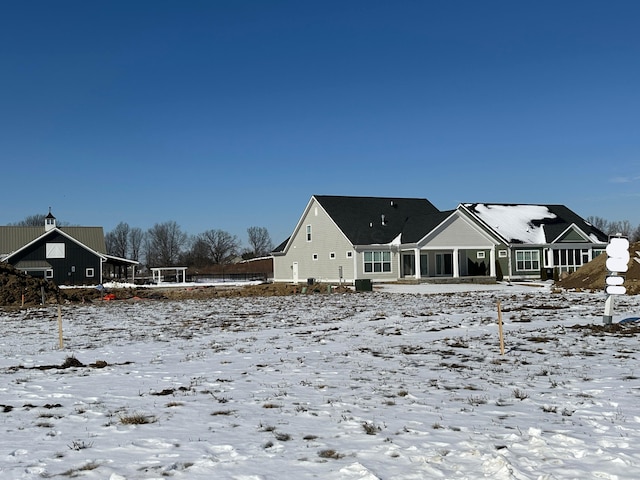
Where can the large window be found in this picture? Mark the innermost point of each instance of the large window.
(308, 233)
(527, 260)
(570, 259)
(377, 262)
(444, 264)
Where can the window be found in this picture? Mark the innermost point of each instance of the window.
(332, 255)
(444, 264)
(349, 254)
(308, 233)
(424, 265)
(502, 254)
(48, 274)
(480, 254)
(377, 262)
(408, 264)
(55, 250)
(570, 259)
(315, 257)
(527, 260)
(90, 273)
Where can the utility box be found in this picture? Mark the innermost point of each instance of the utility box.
(363, 285)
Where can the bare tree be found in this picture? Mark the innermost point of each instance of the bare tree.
(119, 240)
(36, 220)
(136, 237)
(259, 241)
(635, 235)
(222, 246)
(198, 253)
(600, 223)
(110, 242)
(164, 243)
(623, 227)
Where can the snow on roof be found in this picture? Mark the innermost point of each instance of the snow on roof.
(515, 222)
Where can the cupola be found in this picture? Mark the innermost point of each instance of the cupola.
(49, 221)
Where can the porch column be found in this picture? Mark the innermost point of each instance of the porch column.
(456, 263)
(492, 262)
(416, 254)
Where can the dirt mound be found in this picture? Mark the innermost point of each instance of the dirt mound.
(592, 275)
(14, 284)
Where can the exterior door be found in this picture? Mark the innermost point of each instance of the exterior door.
(408, 265)
(444, 264)
(294, 269)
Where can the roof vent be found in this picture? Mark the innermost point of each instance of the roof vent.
(383, 220)
(394, 204)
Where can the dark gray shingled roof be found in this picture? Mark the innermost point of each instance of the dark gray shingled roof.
(376, 220)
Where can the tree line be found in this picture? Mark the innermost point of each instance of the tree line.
(622, 227)
(166, 244)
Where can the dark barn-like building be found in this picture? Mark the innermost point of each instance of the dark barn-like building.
(66, 255)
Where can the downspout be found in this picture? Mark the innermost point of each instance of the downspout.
(355, 263)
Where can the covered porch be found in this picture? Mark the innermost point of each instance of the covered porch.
(116, 268)
(441, 263)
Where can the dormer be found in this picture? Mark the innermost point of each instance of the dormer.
(49, 222)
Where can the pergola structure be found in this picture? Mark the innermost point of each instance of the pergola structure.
(158, 272)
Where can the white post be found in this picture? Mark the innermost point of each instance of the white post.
(607, 318)
(492, 262)
(456, 263)
(416, 259)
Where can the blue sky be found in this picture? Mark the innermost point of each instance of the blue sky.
(231, 114)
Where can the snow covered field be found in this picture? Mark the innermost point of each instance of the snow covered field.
(392, 384)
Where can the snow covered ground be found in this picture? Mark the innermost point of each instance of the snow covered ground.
(391, 384)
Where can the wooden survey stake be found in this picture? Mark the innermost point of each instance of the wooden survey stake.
(500, 334)
(60, 327)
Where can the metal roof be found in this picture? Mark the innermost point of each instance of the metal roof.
(33, 265)
(13, 238)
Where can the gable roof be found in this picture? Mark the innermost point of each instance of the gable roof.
(13, 238)
(419, 226)
(532, 224)
(374, 220)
